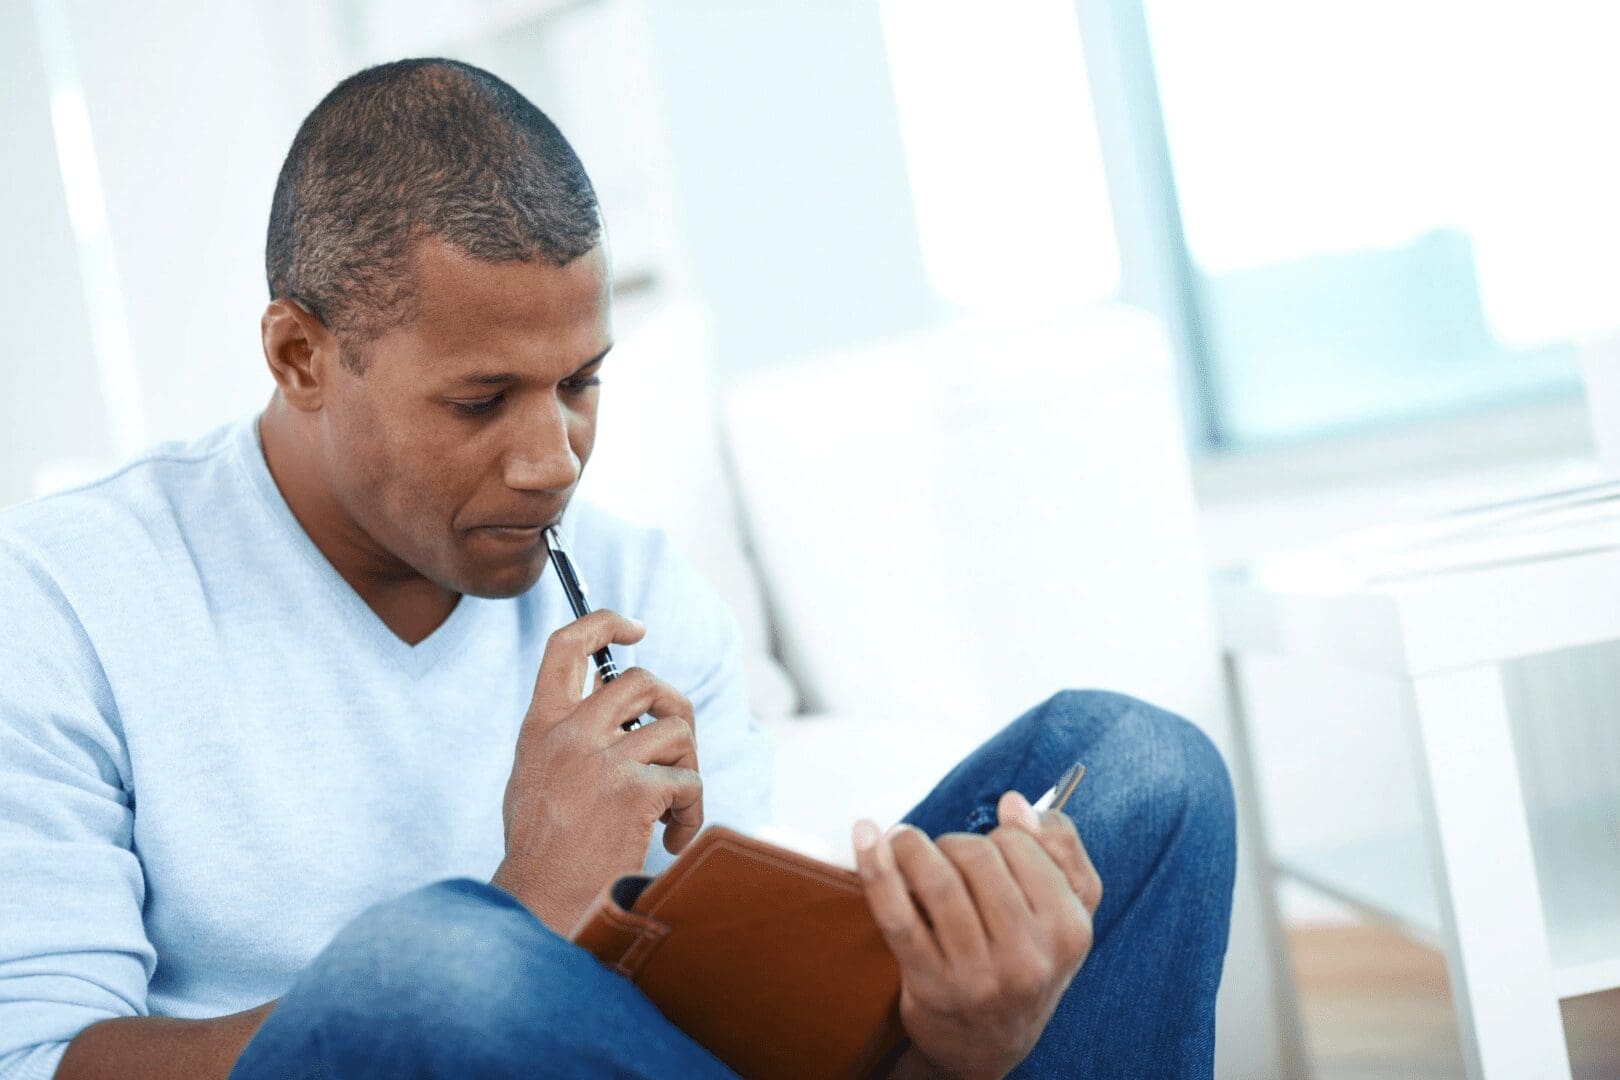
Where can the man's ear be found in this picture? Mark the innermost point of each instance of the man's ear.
(300, 350)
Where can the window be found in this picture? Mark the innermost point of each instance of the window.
(1395, 208)
(1002, 154)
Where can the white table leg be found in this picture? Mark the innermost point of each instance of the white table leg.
(1493, 927)
(1291, 1053)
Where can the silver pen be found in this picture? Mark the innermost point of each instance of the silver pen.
(1059, 793)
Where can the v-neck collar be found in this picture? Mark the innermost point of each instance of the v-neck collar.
(415, 660)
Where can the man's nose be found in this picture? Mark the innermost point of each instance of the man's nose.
(542, 457)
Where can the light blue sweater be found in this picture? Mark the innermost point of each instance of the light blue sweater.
(213, 754)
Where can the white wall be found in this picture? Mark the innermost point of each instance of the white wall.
(50, 406)
(788, 174)
(191, 111)
(190, 107)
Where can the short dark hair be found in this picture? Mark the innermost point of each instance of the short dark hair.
(409, 149)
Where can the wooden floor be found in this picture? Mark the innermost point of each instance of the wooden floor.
(1376, 1007)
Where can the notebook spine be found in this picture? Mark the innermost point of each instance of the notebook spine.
(620, 939)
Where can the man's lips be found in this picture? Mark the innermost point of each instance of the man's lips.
(516, 532)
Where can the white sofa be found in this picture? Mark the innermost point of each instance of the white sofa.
(924, 536)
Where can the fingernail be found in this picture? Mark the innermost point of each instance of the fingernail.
(1025, 812)
(865, 835)
(639, 625)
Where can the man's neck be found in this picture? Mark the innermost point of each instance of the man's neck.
(408, 604)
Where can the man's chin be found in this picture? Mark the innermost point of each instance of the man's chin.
(503, 582)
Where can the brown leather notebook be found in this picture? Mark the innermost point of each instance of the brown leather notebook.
(768, 958)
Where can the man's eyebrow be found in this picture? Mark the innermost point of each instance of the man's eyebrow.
(501, 378)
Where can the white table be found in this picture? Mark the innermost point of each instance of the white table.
(1517, 883)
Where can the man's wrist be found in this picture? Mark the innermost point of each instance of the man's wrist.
(531, 895)
(509, 881)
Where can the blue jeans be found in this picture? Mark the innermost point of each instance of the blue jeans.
(457, 979)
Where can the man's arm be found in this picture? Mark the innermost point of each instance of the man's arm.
(74, 956)
(571, 757)
(73, 947)
(158, 1047)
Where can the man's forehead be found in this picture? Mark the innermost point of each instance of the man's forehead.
(451, 284)
(477, 320)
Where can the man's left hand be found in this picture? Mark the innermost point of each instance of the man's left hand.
(988, 931)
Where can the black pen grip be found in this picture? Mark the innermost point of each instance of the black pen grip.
(574, 589)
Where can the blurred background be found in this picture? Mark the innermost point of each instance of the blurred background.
(1052, 308)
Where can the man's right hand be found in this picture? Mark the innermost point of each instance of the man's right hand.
(584, 794)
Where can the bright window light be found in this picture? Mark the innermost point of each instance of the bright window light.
(1001, 147)
(1306, 128)
(1397, 209)
(87, 214)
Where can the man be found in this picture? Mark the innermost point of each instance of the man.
(297, 775)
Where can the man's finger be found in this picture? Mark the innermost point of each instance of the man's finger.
(1002, 906)
(943, 896)
(1058, 836)
(671, 741)
(634, 692)
(683, 810)
(559, 684)
(1061, 839)
(1044, 884)
(897, 917)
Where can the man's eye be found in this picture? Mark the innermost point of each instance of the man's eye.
(475, 408)
(581, 384)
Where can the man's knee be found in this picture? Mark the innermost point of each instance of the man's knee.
(453, 979)
(459, 958)
(1154, 766)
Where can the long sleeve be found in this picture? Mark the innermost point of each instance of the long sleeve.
(694, 643)
(73, 949)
